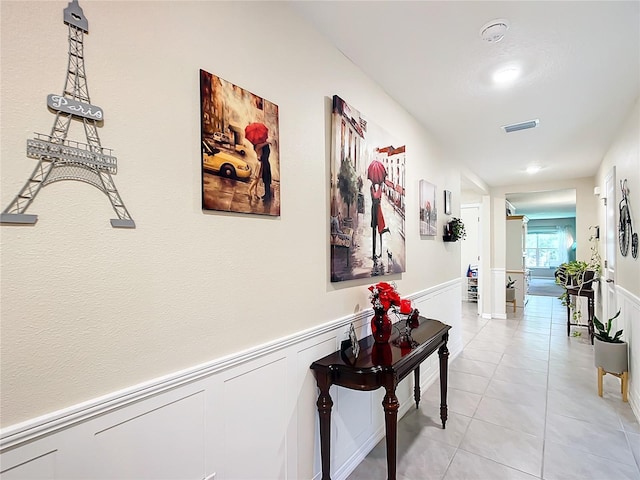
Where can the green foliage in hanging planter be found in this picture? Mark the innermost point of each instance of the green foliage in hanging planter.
(454, 230)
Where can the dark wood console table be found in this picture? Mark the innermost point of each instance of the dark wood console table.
(582, 292)
(380, 366)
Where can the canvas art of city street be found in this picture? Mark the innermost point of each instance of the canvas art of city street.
(367, 195)
(240, 149)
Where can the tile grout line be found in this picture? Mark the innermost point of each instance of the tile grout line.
(560, 359)
(546, 405)
(457, 448)
(563, 313)
(484, 396)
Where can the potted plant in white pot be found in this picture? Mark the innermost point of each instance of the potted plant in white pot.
(511, 290)
(610, 354)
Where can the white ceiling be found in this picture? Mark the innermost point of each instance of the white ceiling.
(550, 204)
(581, 75)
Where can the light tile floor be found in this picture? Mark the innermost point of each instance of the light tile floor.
(523, 405)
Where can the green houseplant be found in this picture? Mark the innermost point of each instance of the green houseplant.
(604, 331)
(575, 275)
(611, 354)
(579, 275)
(454, 230)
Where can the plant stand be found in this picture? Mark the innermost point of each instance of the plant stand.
(582, 292)
(624, 380)
(510, 295)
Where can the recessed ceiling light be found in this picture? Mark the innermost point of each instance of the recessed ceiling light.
(533, 169)
(506, 75)
(494, 30)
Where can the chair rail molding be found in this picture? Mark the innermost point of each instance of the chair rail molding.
(204, 404)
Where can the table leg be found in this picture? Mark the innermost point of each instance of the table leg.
(443, 353)
(416, 385)
(324, 404)
(600, 375)
(391, 405)
(568, 316)
(591, 313)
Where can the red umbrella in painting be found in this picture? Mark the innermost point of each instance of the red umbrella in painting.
(256, 133)
(376, 172)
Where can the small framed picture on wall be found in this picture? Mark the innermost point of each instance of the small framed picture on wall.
(447, 202)
(428, 210)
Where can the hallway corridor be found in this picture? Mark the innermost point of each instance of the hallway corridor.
(523, 405)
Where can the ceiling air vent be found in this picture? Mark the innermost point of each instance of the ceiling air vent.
(514, 127)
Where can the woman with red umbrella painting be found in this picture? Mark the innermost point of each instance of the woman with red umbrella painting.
(377, 174)
(257, 133)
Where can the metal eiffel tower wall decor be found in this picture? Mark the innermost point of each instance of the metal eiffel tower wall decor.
(60, 158)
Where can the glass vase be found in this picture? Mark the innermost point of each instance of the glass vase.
(381, 326)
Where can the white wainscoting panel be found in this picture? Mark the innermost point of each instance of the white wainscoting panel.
(498, 282)
(629, 319)
(250, 416)
(308, 428)
(255, 423)
(164, 443)
(43, 466)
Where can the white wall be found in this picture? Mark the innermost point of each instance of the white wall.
(624, 155)
(88, 310)
(586, 207)
(586, 216)
(470, 246)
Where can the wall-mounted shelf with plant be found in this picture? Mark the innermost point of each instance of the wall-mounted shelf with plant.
(454, 230)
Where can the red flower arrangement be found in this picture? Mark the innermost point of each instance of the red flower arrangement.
(384, 295)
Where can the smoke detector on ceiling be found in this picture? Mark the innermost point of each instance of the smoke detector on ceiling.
(494, 30)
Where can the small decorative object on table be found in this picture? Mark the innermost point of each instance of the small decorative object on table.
(350, 347)
(404, 340)
(355, 346)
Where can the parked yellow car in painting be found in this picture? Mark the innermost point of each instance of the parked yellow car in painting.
(223, 163)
